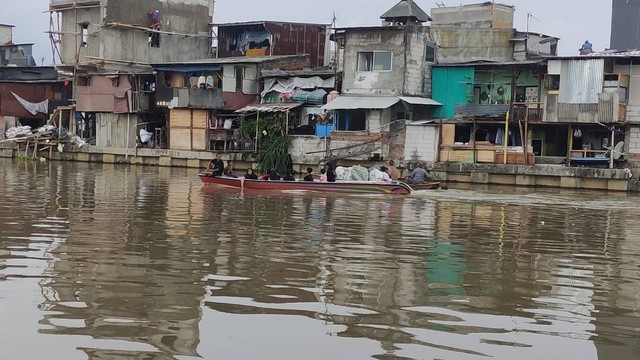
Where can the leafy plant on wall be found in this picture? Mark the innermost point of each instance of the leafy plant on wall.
(273, 151)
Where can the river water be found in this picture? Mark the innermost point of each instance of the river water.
(105, 261)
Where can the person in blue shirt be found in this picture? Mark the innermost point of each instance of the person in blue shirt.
(587, 48)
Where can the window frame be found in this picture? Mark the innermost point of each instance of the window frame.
(84, 34)
(373, 60)
(343, 117)
(427, 46)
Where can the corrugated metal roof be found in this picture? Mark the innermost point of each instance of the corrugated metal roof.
(276, 107)
(187, 68)
(406, 9)
(249, 23)
(304, 72)
(491, 63)
(232, 60)
(422, 123)
(414, 100)
(361, 102)
(581, 81)
(481, 110)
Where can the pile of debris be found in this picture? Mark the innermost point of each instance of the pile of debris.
(43, 138)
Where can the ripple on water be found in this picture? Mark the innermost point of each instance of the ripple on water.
(106, 261)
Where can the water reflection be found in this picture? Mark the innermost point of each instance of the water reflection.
(125, 263)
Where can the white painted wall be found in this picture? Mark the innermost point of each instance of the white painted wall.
(421, 143)
(633, 106)
(302, 145)
(634, 141)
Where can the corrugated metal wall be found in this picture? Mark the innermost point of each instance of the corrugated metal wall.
(581, 81)
(451, 86)
(604, 111)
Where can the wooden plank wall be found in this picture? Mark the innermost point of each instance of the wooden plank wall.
(188, 129)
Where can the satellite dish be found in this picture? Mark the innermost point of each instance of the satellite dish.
(617, 151)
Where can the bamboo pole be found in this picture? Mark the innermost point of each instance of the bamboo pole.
(150, 30)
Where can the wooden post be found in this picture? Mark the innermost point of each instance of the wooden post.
(506, 138)
(473, 138)
(570, 142)
(287, 123)
(526, 139)
(255, 146)
(524, 148)
(612, 146)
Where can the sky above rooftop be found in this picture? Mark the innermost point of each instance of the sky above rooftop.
(571, 20)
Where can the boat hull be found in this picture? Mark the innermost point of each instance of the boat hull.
(426, 186)
(350, 187)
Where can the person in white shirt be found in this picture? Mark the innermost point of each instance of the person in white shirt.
(383, 175)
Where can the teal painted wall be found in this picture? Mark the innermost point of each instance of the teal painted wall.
(451, 86)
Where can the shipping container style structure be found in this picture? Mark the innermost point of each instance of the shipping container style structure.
(274, 38)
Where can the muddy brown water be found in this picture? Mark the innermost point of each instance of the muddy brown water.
(105, 261)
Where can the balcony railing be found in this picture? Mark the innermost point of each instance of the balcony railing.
(528, 111)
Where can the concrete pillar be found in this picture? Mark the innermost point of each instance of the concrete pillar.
(479, 177)
(108, 158)
(193, 163)
(525, 180)
(570, 182)
(165, 161)
(618, 185)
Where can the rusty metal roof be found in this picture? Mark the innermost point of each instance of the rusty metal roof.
(406, 9)
(250, 23)
(233, 60)
(275, 107)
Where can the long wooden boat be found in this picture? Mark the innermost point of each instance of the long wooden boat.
(353, 187)
(426, 186)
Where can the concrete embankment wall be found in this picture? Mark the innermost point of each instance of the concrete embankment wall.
(517, 175)
(536, 175)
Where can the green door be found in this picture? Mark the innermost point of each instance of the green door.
(451, 86)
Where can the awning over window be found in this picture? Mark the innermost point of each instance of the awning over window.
(414, 100)
(275, 107)
(361, 102)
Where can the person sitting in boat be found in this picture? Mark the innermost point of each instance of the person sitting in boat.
(289, 176)
(323, 175)
(250, 175)
(383, 175)
(309, 176)
(216, 166)
(273, 175)
(331, 174)
(392, 170)
(228, 171)
(419, 175)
